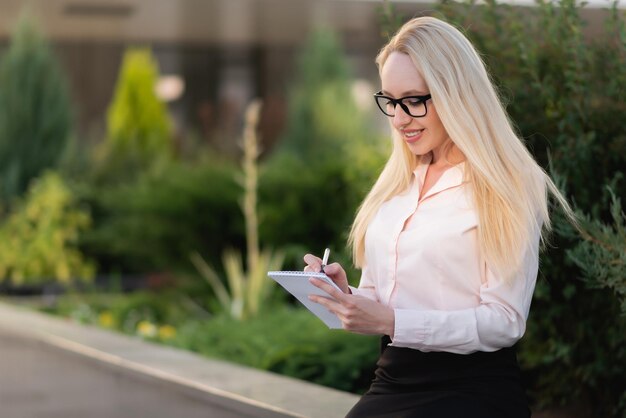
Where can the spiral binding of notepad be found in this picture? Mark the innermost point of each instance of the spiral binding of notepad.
(298, 273)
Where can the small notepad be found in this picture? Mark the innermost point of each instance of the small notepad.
(297, 283)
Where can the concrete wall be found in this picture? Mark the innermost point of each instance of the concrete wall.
(55, 368)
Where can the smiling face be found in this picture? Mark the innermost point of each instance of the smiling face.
(399, 78)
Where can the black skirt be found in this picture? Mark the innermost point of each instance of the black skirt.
(409, 383)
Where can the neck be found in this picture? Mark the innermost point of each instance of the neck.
(453, 156)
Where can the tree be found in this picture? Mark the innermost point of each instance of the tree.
(139, 129)
(332, 145)
(322, 111)
(137, 118)
(35, 110)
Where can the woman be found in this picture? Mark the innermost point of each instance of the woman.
(447, 239)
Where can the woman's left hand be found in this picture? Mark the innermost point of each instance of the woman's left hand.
(357, 313)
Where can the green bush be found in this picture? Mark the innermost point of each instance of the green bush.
(154, 222)
(126, 313)
(311, 210)
(328, 157)
(602, 256)
(38, 238)
(148, 208)
(565, 89)
(139, 131)
(322, 71)
(248, 287)
(35, 110)
(287, 341)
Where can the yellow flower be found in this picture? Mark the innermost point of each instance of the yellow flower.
(167, 332)
(146, 329)
(106, 319)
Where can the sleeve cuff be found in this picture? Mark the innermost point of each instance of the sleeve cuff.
(410, 329)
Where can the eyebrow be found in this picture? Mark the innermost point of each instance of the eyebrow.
(406, 93)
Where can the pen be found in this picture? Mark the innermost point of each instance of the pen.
(325, 259)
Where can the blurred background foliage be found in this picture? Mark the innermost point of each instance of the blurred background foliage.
(38, 238)
(565, 93)
(332, 146)
(248, 289)
(163, 214)
(131, 207)
(35, 110)
(139, 129)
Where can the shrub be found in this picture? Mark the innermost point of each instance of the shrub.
(35, 111)
(135, 313)
(287, 341)
(284, 340)
(565, 92)
(155, 221)
(322, 71)
(248, 286)
(602, 256)
(328, 157)
(138, 127)
(38, 239)
(310, 210)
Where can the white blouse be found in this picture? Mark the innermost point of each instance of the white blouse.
(423, 260)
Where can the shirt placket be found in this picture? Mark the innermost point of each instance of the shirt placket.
(407, 207)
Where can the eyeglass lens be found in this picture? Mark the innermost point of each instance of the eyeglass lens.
(413, 106)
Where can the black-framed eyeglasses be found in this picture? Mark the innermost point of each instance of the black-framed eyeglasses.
(414, 106)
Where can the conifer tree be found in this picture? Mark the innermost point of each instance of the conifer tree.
(137, 120)
(322, 112)
(35, 110)
(602, 253)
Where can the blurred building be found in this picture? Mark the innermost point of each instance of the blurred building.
(215, 55)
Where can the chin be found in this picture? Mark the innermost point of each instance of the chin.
(418, 149)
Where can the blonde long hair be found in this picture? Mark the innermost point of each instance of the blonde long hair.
(510, 190)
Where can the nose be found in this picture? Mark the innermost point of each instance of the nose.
(401, 118)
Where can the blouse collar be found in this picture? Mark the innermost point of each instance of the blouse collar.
(451, 177)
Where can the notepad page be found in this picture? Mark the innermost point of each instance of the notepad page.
(297, 283)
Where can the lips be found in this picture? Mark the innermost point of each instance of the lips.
(412, 135)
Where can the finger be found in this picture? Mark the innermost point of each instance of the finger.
(314, 262)
(331, 290)
(333, 269)
(330, 304)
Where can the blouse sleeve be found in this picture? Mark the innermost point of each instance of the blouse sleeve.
(499, 320)
(366, 286)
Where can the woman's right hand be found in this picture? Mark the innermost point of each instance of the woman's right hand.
(333, 270)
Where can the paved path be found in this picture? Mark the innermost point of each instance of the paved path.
(40, 381)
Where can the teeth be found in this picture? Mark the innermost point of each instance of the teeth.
(412, 134)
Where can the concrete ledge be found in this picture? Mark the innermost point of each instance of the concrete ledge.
(253, 392)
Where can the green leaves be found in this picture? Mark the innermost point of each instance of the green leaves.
(137, 118)
(323, 115)
(602, 256)
(35, 112)
(564, 84)
(288, 341)
(38, 239)
(139, 130)
(248, 285)
(247, 290)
